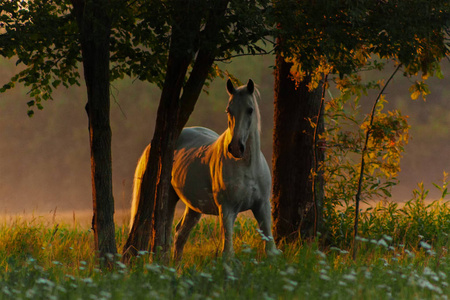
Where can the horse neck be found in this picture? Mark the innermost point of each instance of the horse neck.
(254, 143)
(253, 146)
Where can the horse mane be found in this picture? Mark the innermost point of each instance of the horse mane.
(256, 98)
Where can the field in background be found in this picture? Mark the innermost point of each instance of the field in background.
(83, 218)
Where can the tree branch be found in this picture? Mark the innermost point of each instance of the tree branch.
(361, 173)
(225, 59)
(316, 154)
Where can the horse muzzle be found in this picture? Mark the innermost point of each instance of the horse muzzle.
(236, 148)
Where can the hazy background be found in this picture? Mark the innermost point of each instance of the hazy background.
(45, 161)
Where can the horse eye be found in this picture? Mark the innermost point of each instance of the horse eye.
(250, 110)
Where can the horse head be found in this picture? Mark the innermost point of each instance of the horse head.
(243, 116)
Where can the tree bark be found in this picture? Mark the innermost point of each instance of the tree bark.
(94, 24)
(296, 205)
(173, 113)
(150, 217)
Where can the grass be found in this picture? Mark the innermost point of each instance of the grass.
(396, 260)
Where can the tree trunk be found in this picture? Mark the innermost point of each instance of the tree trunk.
(173, 113)
(297, 205)
(94, 24)
(151, 216)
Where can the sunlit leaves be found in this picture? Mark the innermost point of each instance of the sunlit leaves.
(419, 88)
(389, 136)
(344, 136)
(348, 35)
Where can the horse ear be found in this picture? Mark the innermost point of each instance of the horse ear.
(230, 87)
(250, 86)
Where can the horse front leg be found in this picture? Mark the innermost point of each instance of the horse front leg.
(261, 211)
(227, 218)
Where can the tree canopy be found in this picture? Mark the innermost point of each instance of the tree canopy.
(43, 38)
(341, 36)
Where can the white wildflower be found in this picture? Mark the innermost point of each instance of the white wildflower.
(325, 277)
(105, 295)
(46, 282)
(382, 243)
(425, 245)
(121, 265)
(206, 276)
(87, 280)
(349, 277)
(31, 293)
(387, 238)
(320, 253)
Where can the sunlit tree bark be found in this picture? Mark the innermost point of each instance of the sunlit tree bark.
(94, 25)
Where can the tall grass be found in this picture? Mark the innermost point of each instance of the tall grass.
(418, 220)
(403, 255)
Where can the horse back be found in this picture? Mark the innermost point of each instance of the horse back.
(195, 137)
(191, 178)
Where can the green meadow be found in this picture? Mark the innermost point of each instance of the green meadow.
(402, 254)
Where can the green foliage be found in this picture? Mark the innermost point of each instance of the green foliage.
(408, 225)
(60, 263)
(344, 137)
(341, 36)
(43, 36)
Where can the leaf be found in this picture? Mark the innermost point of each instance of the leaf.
(437, 186)
(30, 113)
(439, 73)
(386, 192)
(415, 95)
(56, 83)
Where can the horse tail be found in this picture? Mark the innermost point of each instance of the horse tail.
(137, 183)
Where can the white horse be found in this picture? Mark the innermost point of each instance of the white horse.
(219, 175)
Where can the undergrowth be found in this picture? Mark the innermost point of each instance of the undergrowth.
(403, 254)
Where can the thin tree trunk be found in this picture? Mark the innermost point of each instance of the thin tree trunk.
(151, 217)
(165, 139)
(94, 23)
(295, 107)
(173, 113)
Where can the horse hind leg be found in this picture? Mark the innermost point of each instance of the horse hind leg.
(172, 203)
(183, 228)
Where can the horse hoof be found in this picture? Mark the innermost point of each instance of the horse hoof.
(274, 252)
